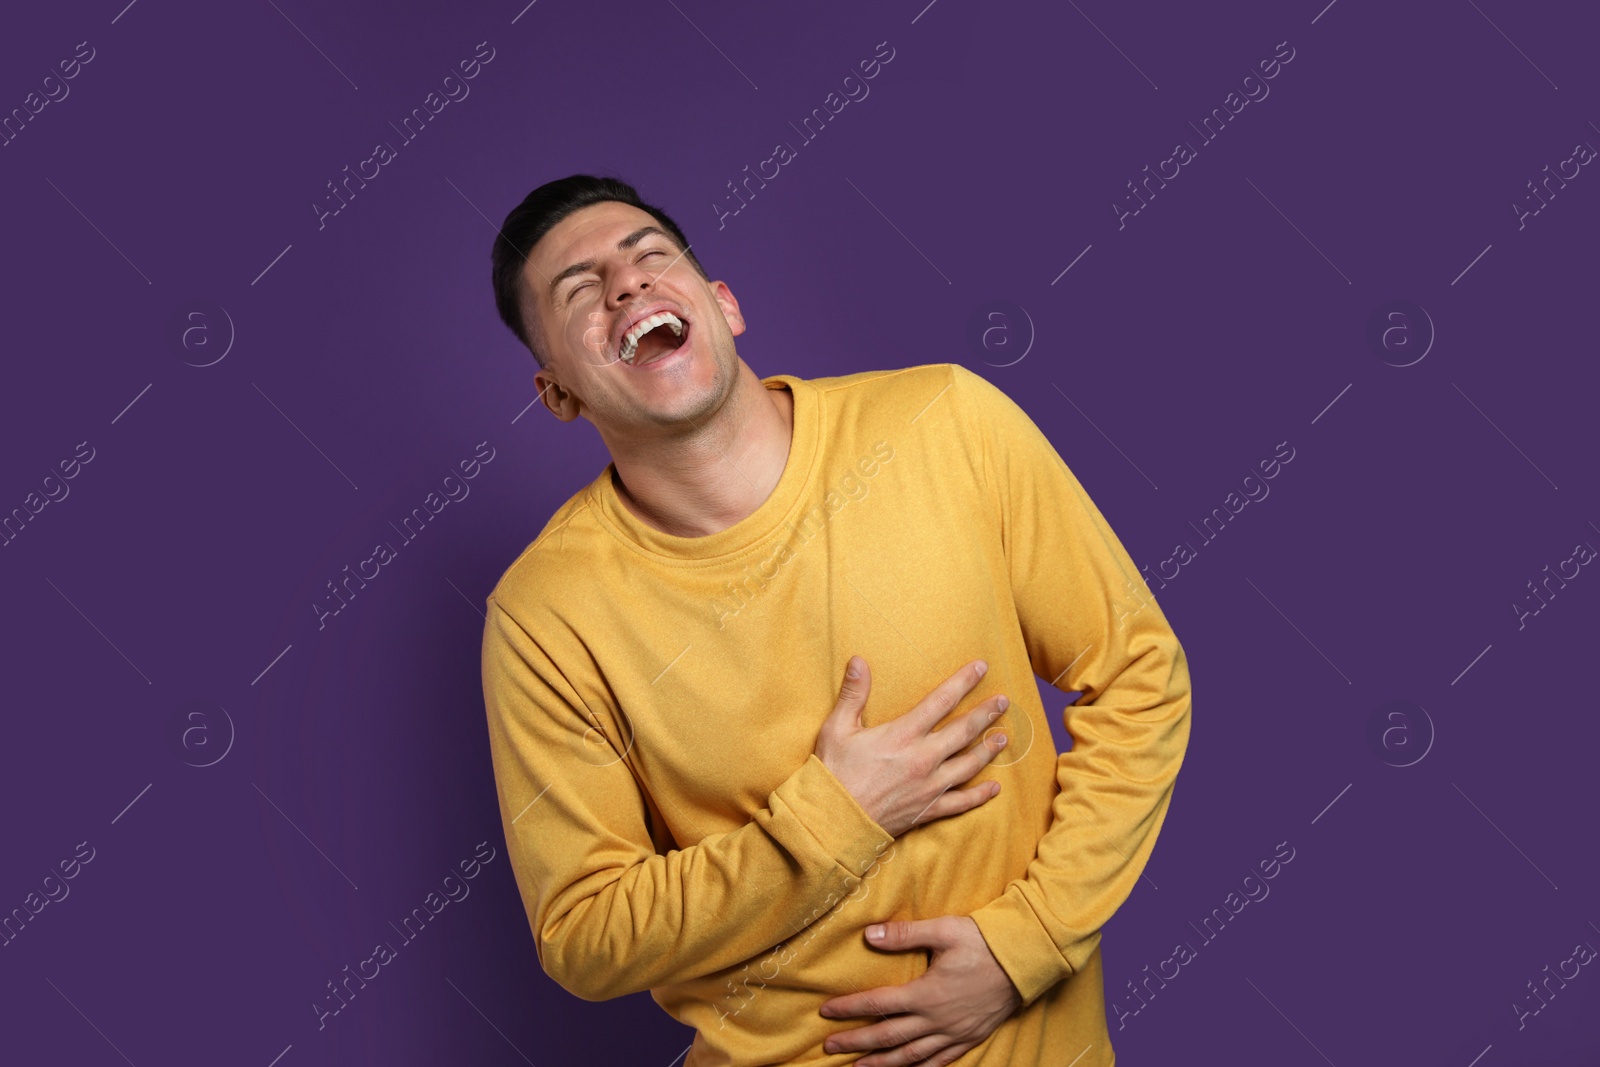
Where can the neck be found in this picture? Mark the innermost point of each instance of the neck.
(703, 482)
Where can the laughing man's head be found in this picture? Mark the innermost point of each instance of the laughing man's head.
(627, 328)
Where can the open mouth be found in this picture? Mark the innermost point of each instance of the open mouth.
(653, 339)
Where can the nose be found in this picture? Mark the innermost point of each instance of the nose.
(632, 281)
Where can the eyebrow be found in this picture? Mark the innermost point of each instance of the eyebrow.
(622, 246)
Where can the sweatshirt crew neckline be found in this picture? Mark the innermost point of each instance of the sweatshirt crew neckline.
(806, 430)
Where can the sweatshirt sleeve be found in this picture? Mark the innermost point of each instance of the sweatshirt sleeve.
(610, 916)
(1092, 626)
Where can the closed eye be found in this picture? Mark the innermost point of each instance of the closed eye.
(572, 292)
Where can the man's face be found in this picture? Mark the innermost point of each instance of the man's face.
(600, 271)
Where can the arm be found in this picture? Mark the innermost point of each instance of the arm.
(609, 915)
(1092, 626)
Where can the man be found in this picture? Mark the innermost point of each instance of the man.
(690, 804)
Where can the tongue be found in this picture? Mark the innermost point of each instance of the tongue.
(658, 342)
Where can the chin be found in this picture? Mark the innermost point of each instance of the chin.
(694, 386)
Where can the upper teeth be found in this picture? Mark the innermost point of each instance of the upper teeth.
(630, 342)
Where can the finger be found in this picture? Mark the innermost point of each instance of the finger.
(961, 733)
(956, 801)
(897, 935)
(964, 767)
(934, 1050)
(946, 695)
(852, 693)
(886, 1033)
(875, 1003)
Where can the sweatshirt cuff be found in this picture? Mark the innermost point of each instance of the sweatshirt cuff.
(840, 825)
(1020, 943)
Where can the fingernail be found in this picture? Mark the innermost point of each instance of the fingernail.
(875, 933)
(1002, 703)
(1000, 742)
(983, 668)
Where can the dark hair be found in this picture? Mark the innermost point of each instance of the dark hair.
(538, 213)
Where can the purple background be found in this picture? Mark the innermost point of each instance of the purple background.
(1229, 315)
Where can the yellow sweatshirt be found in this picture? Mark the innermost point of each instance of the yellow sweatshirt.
(653, 702)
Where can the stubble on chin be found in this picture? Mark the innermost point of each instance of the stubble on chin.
(699, 402)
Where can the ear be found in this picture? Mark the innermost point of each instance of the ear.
(562, 404)
(730, 307)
